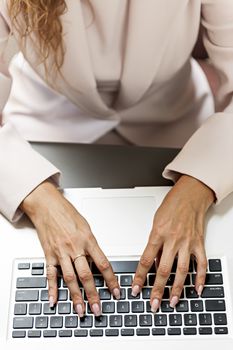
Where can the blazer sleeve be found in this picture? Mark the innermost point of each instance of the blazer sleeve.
(208, 155)
(21, 168)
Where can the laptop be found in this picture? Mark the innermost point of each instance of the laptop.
(121, 220)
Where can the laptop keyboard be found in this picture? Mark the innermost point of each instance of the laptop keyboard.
(32, 317)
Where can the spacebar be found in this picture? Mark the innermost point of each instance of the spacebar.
(124, 266)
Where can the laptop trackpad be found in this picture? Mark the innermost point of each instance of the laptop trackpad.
(120, 224)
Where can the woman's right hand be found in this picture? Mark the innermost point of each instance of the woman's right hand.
(64, 235)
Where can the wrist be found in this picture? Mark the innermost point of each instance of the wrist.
(195, 191)
(38, 200)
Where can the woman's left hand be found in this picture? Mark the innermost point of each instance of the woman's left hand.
(178, 230)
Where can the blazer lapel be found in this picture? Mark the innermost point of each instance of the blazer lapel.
(79, 85)
(149, 29)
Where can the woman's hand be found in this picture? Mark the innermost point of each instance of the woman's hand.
(178, 229)
(65, 235)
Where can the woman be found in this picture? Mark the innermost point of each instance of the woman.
(120, 70)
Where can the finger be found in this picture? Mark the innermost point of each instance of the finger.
(51, 274)
(87, 280)
(181, 274)
(146, 261)
(162, 275)
(201, 269)
(70, 279)
(106, 270)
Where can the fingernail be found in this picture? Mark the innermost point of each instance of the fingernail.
(155, 305)
(200, 289)
(116, 292)
(79, 310)
(96, 309)
(135, 290)
(51, 301)
(174, 301)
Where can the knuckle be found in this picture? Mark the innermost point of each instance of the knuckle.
(51, 275)
(164, 271)
(85, 275)
(177, 289)
(69, 277)
(146, 261)
(104, 265)
(183, 269)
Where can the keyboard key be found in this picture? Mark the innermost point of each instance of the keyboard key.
(64, 333)
(146, 293)
(18, 334)
(126, 280)
(20, 309)
(142, 331)
(35, 308)
(31, 282)
(137, 306)
(101, 321)
(122, 307)
(145, 320)
(99, 281)
(182, 306)
(215, 265)
(122, 294)
(44, 296)
(160, 320)
(115, 321)
(39, 272)
(104, 294)
(64, 308)
(189, 331)
(191, 292)
(34, 334)
(124, 266)
(174, 331)
(175, 320)
(112, 332)
(22, 322)
(23, 266)
(211, 278)
(108, 307)
(62, 294)
(130, 296)
(26, 295)
(151, 279)
(80, 333)
(196, 305)
(220, 319)
(215, 305)
(190, 319)
(127, 332)
(71, 321)
(221, 330)
(148, 306)
(166, 293)
(213, 292)
(130, 320)
(170, 280)
(165, 306)
(158, 331)
(205, 319)
(41, 322)
(96, 332)
(47, 310)
(49, 333)
(56, 322)
(86, 322)
(205, 330)
(37, 266)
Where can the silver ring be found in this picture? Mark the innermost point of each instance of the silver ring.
(79, 256)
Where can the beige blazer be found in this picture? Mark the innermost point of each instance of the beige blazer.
(159, 39)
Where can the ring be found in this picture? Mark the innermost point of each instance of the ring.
(51, 265)
(79, 256)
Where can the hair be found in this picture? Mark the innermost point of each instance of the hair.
(41, 20)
